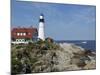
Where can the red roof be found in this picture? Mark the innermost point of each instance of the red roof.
(29, 32)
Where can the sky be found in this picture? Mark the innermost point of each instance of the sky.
(62, 21)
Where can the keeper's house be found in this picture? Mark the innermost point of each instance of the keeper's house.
(23, 35)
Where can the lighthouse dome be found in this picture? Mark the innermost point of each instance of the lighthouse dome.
(41, 19)
(41, 16)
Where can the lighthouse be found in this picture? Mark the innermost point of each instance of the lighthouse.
(41, 34)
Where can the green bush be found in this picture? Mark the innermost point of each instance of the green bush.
(30, 54)
(18, 47)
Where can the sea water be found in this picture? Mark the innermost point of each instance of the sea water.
(87, 44)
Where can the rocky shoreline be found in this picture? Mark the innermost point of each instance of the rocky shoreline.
(79, 57)
(69, 58)
(54, 58)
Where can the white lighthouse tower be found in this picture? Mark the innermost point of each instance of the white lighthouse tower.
(41, 34)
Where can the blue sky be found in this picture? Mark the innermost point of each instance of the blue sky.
(62, 21)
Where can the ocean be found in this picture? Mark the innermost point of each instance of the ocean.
(87, 44)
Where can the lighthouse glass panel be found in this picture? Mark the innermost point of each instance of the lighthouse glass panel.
(52, 37)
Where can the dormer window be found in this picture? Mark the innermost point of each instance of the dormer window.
(29, 33)
(18, 34)
(24, 34)
(21, 34)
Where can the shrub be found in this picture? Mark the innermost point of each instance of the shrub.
(18, 47)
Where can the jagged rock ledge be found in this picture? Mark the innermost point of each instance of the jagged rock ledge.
(79, 58)
(55, 58)
(69, 57)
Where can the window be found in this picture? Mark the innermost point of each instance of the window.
(21, 34)
(24, 34)
(18, 34)
(29, 33)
